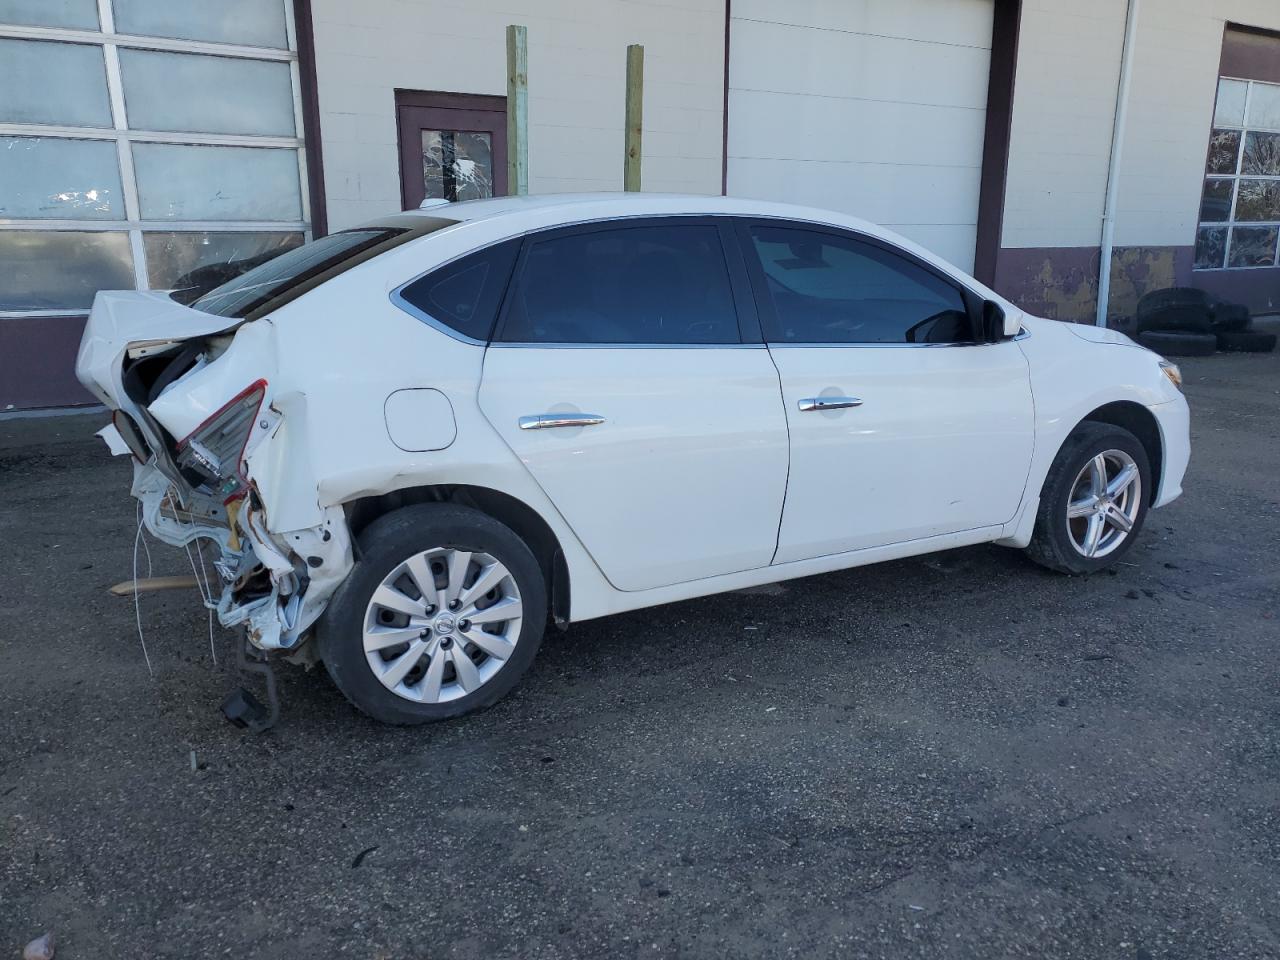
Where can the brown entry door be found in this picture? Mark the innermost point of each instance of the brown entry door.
(453, 146)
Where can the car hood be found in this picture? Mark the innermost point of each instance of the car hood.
(1100, 335)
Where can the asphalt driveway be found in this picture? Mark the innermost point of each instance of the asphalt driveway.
(959, 755)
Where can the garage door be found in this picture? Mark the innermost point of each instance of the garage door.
(872, 107)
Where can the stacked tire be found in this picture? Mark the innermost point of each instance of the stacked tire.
(1186, 322)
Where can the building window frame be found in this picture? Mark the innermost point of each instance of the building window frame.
(125, 138)
(1236, 176)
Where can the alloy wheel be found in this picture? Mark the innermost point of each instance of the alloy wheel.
(1104, 503)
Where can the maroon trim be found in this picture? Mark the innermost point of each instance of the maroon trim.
(724, 141)
(425, 110)
(1250, 53)
(305, 30)
(37, 363)
(995, 145)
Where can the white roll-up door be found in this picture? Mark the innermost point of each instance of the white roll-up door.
(873, 107)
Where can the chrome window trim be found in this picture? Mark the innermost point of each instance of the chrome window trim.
(877, 345)
(628, 346)
(399, 301)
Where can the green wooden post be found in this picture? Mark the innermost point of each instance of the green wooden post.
(635, 117)
(517, 111)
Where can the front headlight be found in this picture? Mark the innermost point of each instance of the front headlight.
(1172, 372)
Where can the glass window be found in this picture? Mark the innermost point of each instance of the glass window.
(192, 92)
(180, 182)
(201, 260)
(1261, 154)
(826, 288)
(1264, 107)
(59, 178)
(72, 14)
(457, 165)
(1211, 248)
(1258, 200)
(465, 295)
(61, 269)
(295, 272)
(1215, 204)
(1242, 191)
(43, 82)
(642, 284)
(257, 23)
(1229, 110)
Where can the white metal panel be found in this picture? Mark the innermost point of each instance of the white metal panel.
(685, 477)
(872, 108)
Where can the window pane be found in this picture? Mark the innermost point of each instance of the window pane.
(203, 260)
(55, 177)
(1259, 200)
(1224, 148)
(1264, 106)
(1215, 205)
(1211, 248)
(1253, 246)
(42, 82)
(75, 14)
(190, 92)
(830, 289)
(465, 295)
(664, 284)
(61, 269)
(1229, 110)
(457, 165)
(178, 182)
(1261, 154)
(258, 23)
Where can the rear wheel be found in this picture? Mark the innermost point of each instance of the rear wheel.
(1094, 500)
(441, 616)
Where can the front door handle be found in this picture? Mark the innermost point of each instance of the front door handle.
(828, 403)
(545, 421)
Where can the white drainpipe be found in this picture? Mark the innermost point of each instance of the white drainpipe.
(1113, 169)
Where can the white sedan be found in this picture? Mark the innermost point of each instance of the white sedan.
(415, 442)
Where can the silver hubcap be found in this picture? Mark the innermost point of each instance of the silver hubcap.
(1104, 503)
(442, 624)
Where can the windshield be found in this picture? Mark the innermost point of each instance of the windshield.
(266, 286)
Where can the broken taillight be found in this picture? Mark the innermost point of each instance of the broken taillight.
(211, 456)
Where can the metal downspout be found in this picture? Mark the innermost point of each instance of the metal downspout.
(1113, 168)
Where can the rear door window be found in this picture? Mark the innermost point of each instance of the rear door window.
(653, 284)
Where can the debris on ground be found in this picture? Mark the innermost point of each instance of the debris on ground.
(41, 948)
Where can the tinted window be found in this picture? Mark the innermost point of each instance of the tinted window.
(274, 283)
(464, 295)
(642, 284)
(826, 288)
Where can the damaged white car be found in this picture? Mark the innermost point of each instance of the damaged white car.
(416, 442)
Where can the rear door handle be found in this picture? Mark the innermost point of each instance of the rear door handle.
(828, 403)
(545, 421)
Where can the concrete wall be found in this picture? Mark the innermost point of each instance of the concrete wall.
(577, 60)
(1064, 107)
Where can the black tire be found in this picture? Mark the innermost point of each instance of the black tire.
(1230, 317)
(1172, 343)
(1185, 318)
(1158, 300)
(388, 542)
(1051, 545)
(1246, 341)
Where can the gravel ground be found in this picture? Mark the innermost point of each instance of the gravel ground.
(958, 755)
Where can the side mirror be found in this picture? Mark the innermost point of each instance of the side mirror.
(996, 323)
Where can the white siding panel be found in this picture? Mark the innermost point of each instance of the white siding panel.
(873, 108)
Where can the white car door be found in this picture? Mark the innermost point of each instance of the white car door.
(619, 376)
(903, 425)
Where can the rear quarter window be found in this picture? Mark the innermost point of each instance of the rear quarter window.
(464, 295)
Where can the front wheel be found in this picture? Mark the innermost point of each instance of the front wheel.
(1093, 502)
(441, 616)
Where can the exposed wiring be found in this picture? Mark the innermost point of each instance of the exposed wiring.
(137, 602)
(201, 577)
